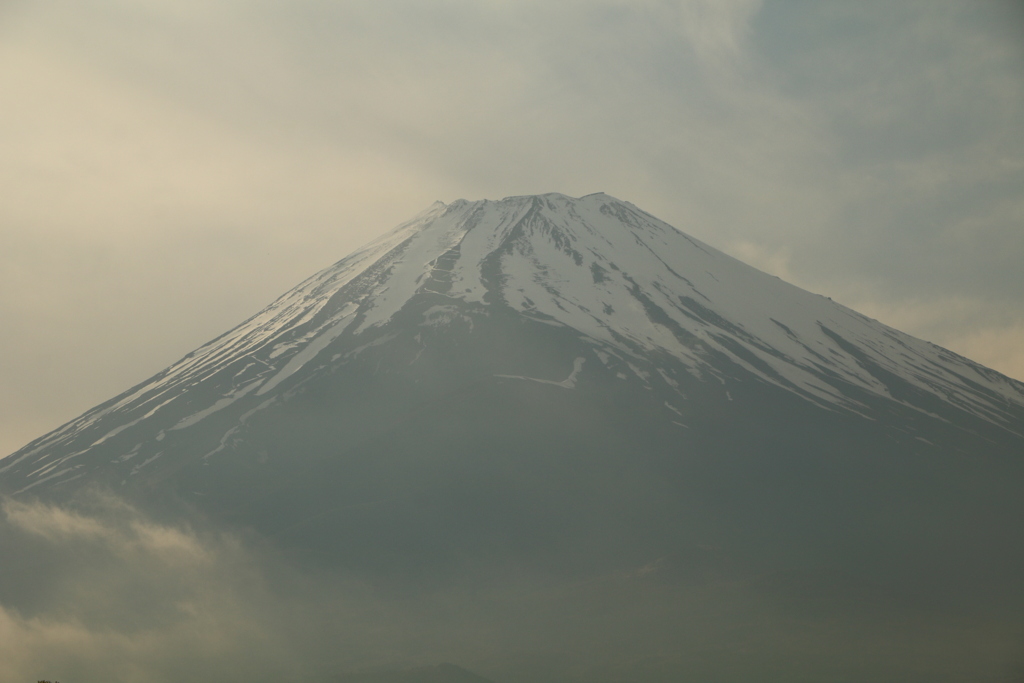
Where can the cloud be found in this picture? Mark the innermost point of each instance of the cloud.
(104, 593)
(112, 596)
(719, 31)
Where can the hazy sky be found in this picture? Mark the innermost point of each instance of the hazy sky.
(170, 166)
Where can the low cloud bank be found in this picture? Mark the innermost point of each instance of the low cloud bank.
(101, 593)
(109, 595)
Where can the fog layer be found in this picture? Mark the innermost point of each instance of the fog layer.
(101, 593)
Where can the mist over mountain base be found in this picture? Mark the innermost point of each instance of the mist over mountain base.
(108, 594)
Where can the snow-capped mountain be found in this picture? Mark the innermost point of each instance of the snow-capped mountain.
(571, 389)
(628, 287)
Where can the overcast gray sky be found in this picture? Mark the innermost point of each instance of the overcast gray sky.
(170, 166)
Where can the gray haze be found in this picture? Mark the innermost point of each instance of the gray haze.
(106, 594)
(171, 167)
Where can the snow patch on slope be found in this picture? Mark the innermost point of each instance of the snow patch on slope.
(567, 383)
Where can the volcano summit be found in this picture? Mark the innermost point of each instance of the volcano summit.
(577, 389)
